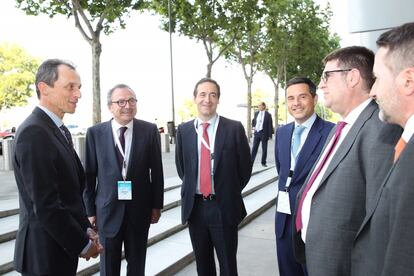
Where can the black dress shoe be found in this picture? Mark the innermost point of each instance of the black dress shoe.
(264, 165)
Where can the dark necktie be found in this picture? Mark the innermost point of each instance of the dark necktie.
(68, 136)
(205, 165)
(315, 174)
(122, 131)
(399, 148)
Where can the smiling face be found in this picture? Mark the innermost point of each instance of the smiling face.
(301, 104)
(206, 100)
(63, 96)
(123, 115)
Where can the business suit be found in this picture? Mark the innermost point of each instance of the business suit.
(308, 155)
(50, 179)
(232, 170)
(348, 185)
(383, 244)
(262, 136)
(115, 217)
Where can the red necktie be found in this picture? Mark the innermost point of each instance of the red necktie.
(205, 165)
(315, 174)
(399, 148)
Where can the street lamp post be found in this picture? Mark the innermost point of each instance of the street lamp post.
(171, 67)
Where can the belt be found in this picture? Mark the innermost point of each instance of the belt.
(210, 197)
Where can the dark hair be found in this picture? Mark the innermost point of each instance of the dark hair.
(111, 91)
(203, 80)
(357, 57)
(400, 44)
(48, 72)
(263, 103)
(305, 80)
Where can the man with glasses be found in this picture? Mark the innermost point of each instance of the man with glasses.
(357, 155)
(124, 182)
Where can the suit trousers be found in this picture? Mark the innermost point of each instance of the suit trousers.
(288, 265)
(135, 239)
(259, 137)
(207, 232)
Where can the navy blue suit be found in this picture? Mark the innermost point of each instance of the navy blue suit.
(262, 136)
(307, 157)
(214, 223)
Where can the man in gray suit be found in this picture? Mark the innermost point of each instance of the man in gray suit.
(331, 205)
(384, 244)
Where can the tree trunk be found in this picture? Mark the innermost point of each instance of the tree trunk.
(209, 67)
(276, 102)
(249, 108)
(96, 82)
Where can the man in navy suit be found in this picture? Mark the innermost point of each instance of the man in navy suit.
(213, 161)
(297, 147)
(124, 182)
(263, 131)
(53, 228)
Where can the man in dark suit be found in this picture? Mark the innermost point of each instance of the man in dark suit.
(124, 182)
(53, 230)
(384, 244)
(213, 160)
(297, 147)
(332, 203)
(263, 131)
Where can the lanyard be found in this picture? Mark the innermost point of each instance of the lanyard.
(212, 140)
(121, 150)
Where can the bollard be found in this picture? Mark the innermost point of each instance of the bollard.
(8, 150)
(79, 145)
(165, 142)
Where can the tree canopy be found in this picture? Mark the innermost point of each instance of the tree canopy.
(17, 75)
(91, 17)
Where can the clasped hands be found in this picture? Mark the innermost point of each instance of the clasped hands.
(96, 247)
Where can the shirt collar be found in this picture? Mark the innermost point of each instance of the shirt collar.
(308, 123)
(408, 129)
(212, 121)
(116, 125)
(56, 120)
(354, 114)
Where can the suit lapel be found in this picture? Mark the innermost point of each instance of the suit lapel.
(219, 142)
(135, 152)
(349, 140)
(310, 144)
(109, 142)
(285, 139)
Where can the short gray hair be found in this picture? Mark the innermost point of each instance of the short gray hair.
(111, 91)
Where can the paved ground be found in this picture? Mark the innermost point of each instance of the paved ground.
(257, 249)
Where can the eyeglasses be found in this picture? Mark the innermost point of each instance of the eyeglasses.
(325, 75)
(122, 103)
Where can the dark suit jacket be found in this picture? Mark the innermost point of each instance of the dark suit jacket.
(308, 155)
(232, 168)
(103, 171)
(50, 179)
(384, 244)
(267, 124)
(349, 184)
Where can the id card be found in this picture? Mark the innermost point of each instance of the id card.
(283, 204)
(124, 190)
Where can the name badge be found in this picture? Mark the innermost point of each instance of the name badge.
(283, 204)
(124, 190)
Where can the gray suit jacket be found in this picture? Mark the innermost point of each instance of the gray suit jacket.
(384, 245)
(349, 184)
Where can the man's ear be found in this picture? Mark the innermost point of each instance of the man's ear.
(407, 76)
(43, 88)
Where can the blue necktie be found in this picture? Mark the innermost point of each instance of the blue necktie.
(296, 139)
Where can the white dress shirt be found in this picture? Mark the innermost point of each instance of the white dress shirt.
(306, 207)
(128, 140)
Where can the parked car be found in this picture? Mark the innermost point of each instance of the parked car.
(76, 130)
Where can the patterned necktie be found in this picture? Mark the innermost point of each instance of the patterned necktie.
(68, 136)
(122, 131)
(399, 148)
(205, 165)
(315, 174)
(296, 139)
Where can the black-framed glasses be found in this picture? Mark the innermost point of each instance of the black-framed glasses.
(122, 103)
(325, 75)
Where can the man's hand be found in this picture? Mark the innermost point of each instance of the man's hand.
(92, 220)
(155, 216)
(94, 250)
